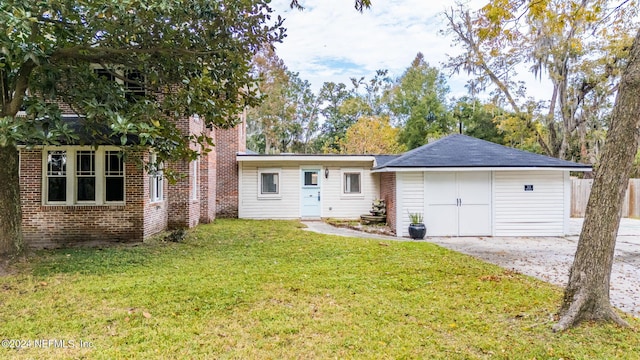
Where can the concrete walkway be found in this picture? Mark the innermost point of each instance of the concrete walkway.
(546, 258)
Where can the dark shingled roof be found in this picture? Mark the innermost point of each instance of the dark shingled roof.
(100, 136)
(383, 159)
(465, 151)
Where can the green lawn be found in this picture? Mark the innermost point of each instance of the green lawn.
(268, 290)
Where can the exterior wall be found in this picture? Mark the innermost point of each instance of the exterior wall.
(410, 190)
(229, 142)
(388, 194)
(284, 206)
(287, 204)
(208, 190)
(184, 210)
(541, 212)
(335, 204)
(52, 226)
(155, 214)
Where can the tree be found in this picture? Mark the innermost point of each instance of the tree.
(418, 104)
(265, 122)
(190, 58)
(577, 44)
(332, 96)
(360, 5)
(478, 120)
(372, 135)
(586, 296)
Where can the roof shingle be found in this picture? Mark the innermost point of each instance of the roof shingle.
(457, 151)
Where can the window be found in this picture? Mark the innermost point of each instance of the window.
(311, 178)
(56, 184)
(269, 183)
(85, 176)
(104, 74)
(156, 179)
(134, 85)
(195, 180)
(113, 176)
(352, 183)
(77, 176)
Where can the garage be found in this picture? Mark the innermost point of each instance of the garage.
(470, 187)
(459, 203)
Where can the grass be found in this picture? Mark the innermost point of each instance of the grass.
(268, 290)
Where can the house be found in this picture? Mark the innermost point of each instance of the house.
(463, 186)
(293, 186)
(76, 194)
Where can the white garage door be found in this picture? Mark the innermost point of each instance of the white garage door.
(458, 203)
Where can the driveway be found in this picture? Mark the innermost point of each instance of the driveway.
(547, 258)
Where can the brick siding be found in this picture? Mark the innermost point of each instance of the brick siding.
(46, 226)
(388, 194)
(229, 142)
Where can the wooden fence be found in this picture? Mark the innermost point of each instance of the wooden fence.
(580, 189)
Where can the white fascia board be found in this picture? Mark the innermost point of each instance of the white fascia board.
(441, 169)
(298, 158)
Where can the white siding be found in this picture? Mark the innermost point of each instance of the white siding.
(410, 197)
(540, 212)
(334, 203)
(285, 206)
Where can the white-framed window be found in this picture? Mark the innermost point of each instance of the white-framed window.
(195, 180)
(156, 179)
(77, 175)
(56, 177)
(113, 176)
(269, 183)
(352, 183)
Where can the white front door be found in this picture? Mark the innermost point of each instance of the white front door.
(310, 193)
(458, 204)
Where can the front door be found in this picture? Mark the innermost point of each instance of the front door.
(310, 193)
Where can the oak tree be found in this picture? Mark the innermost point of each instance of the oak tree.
(189, 57)
(578, 46)
(586, 296)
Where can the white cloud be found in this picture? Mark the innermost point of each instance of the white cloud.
(331, 41)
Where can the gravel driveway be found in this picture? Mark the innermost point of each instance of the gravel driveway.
(547, 258)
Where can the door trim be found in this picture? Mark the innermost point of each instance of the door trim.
(319, 188)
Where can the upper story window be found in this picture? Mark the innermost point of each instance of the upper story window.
(80, 176)
(134, 85)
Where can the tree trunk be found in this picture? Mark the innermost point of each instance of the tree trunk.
(587, 294)
(10, 208)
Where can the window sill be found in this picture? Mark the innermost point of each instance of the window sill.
(82, 207)
(269, 197)
(352, 197)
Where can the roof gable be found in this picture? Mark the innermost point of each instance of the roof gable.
(458, 151)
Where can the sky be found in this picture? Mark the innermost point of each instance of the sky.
(331, 41)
